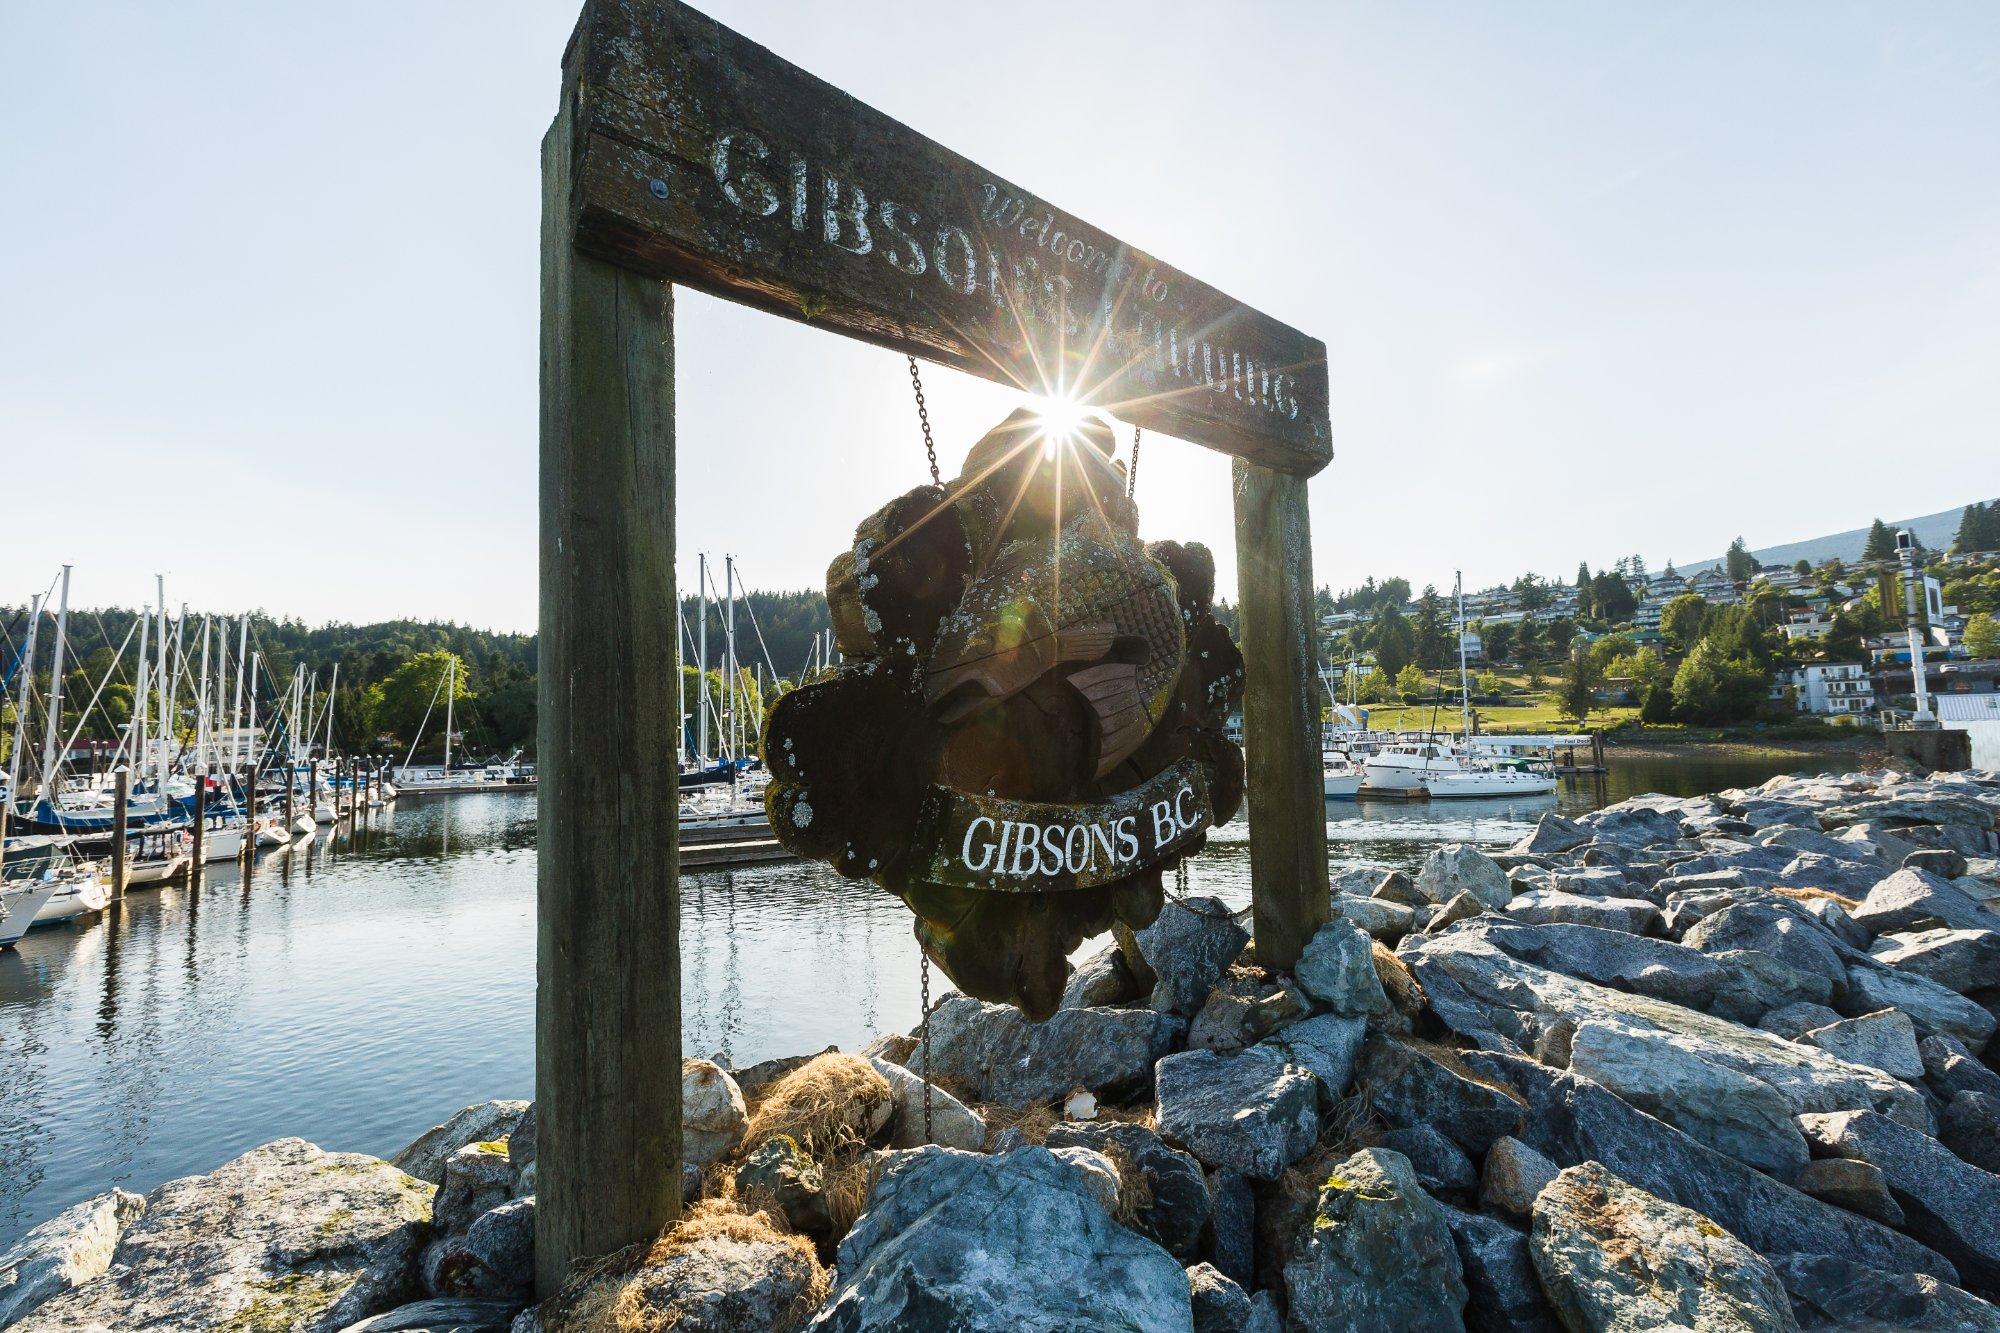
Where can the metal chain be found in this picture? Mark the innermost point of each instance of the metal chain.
(930, 449)
(1132, 477)
(924, 971)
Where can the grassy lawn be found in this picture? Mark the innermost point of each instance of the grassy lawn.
(1532, 715)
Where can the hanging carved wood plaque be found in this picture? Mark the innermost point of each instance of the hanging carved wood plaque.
(1027, 728)
(704, 158)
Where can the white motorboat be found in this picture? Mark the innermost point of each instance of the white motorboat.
(271, 831)
(155, 870)
(224, 843)
(80, 893)
(1442, 771)
(740, 823)
(1341, 776)
(304, 826)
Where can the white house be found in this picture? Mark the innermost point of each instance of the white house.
(1833, 688)
(1978, 714)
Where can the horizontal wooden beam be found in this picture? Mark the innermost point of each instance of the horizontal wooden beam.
(703, 158)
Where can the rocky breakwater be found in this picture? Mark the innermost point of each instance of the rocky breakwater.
(1714, 1063)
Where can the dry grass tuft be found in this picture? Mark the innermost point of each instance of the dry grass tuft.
(1806, 895)
(1405, 992)
(1135, 1193)
(827, 1104)
(1036, 1121)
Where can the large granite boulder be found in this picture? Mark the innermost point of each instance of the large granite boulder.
(1571, 1120)
(1782, 932)
(64, 1252)
(1190, 944)
(1733, 1113)
(482, 1122)
(1253, 1112)
(285, 1236)
(1970, 1127)
(1001, 1244)
(1100, 980)
(1505, 1295)
(1838, 1293)
(1949, 1204)
(492, 1258)
(1934, 1009)
(1960, 960)
(713, 1114)
(779, 1174)
(1408, 1085)
(1455, 868)
(1615, 1257)
(1632, 825)
(1219, 1304)
(1919, 900)
(1325, 1046)
(1175, 1211)
(953, 1123)
(442, 1314)
(1337, 972)
(1552, 834)
(1375, 1253)
(996, 1052)
(1884, 1040)
(1615, 958)
(1555, 907)
(1855, 1186)
(1950, 1068)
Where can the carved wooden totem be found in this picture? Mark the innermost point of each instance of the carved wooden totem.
(1027, 729)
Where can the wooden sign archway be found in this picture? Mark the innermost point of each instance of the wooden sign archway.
(683, 153)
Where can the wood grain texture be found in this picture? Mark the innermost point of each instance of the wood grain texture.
(1281, 734)
(704, 158)
(607, 1003)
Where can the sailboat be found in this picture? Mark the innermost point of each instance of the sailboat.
(1442, 770)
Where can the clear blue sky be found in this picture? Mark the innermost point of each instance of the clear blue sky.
(1594, 279)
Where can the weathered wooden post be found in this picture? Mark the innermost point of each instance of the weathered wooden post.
(1290, 894)
(607, 996)
(121, 793)
(290, 832)
(200, 825)
(249, 848)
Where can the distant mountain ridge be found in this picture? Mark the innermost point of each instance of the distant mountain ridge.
(1933, 530)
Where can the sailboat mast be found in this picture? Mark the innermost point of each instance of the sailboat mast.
(55, 691)
(729, 656)
(680, 690)
(450, 693)
(21, 709)
(249, 748)
(160, 684)
(1464, 691)
(701, 668)
(202, 736)
(236, 706)
(333, 685)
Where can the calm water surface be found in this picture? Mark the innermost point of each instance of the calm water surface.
(358, 992)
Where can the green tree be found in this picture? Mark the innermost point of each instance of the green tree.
(1611, 598)
(1881, 542)
(1682, 618)
(416, 688)
(1714, 687)
(1581, 678)
(1489, 682)
(1971, 527)
(1413, 684)
(1496, 640)
(1738, 563)
(1533, 592)
(1434, 644)
(1394, 642)
(1643, 667)
(1658, 707)
(1982, 636)
(1802, 567)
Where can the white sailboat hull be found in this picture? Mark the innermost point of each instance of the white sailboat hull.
(155, 872)
(222, 844)
(1341, 784)
(76, 897)
(22, 906)
(304, 827)
(1502, 783)
(323, 813)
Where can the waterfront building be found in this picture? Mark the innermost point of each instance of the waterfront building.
(1977, 714)
(1831, 688)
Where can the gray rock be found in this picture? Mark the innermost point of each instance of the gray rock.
(1324, 1046)
(1553, 833)
(1506, 1296)
(1960, 960)
(521, 1152)
(1462, 908)
(1913, 810)
(1503, 1003)
(1264, 1314)
(1837, 923)
(1376, 1253)
(1098, 1173)
(1219, 1305)
(494, 1258)
(1612, 1256)
(1733, 1113)
(1833, 874)
(1252, 1112)
(482, 1122)
(1949, 1069)
(1186, 950)
(1933, 1008)
(1552, 907)
(996, 1052)
(1513, 1175)
(782, 1173)
(1919, 900)
(1970, 1127)
(1838, 1293)
(477, 1177)
(1571, 1120)
(1634, 826)
(1002, 1244)
(285, 1236)
(713, 1117)
(1177, 1209)
(1408, 1086)
(64, 1252)
(1337, 971)
(1812, 840)
(1792, 1021)
(1855, 1186)
(1783, 933)
(1230, 1243)
(1943, 862)
(1442, 1167)
(1382, 919)
(953, 1123)
(1950, 1205)
(1100, 980)
(739, 1275)
(1455, 868)
(1398, 888)
(1756, 982)
(448, 1314)
(1597, 882)
(1884, 1040)
(1765, 814)
(1627, 962)
(1879, 839)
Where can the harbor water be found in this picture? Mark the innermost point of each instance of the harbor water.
(358, 991)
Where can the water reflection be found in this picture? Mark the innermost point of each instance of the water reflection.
(358, 988)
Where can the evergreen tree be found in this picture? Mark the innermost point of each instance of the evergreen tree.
(1581, 678)
(1394, 642)
(1582, 574)
(1611, 597)
(1638, 567)
(1881, 542)
(1434, 644)
(1739, 564)
(1971, 526)
(1803, 568)
(1681, 620)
